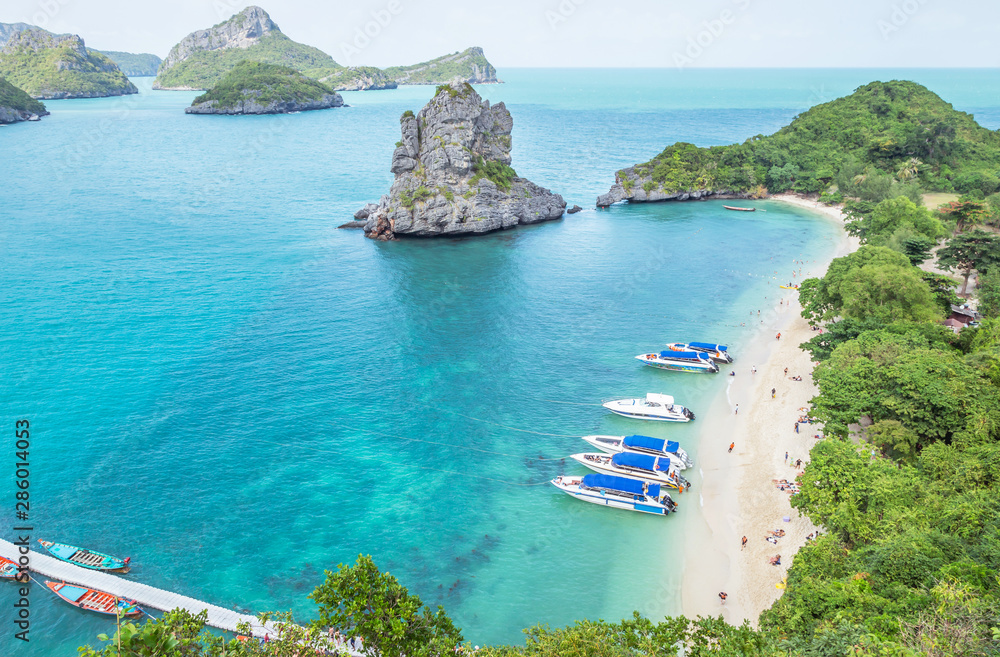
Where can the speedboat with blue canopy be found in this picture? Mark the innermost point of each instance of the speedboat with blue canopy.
(680, 361)
(618, 493)
(644, 467)
(717, 352)
(642, 445)
(654, 406)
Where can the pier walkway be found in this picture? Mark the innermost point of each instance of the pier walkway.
(148, 597)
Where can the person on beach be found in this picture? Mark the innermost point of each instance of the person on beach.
(722, 596)
(786, 371)
(786, 457)
(731, 446)
(743, 544)
(773, 391)
(777, 337)
(796, 427)
(753, 369)
(737, 411)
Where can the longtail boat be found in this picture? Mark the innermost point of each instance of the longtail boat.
(85, 558)
(94, 600)
(733, 207)
(8, 569)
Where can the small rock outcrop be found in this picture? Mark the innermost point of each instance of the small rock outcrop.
(453, 173)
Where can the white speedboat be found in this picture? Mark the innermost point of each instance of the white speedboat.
(642, 445)
(680, 361)
(717, 352)
(617, 492)
(644, 467)
(653, 406)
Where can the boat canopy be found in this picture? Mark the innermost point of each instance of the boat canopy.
(642, 461)
(622, 484)
(709, 346)
(654, 444)
(684, 355)
(644, 442)
(658, 398)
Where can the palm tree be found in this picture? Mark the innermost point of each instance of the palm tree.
(909, 169)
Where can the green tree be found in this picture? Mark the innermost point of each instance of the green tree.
(989, 293)
(873, 282)
(966, 212)
(975, 250)
(362, 601)
(875, 225)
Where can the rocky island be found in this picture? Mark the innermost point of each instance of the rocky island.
(470, 66)
(453, 173)
(203, 57)
(895, 134)
(256, 88)
(16, 105)
(50, 66)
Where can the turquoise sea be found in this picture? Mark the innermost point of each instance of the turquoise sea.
(237, 395)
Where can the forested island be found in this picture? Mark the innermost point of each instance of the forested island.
(16, 105)
(134, 64)
(256, 88)
(886, 134)
(203, 57)
(47, 65)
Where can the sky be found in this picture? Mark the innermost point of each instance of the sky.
(567, 33)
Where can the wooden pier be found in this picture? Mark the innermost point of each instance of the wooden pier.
(148, 597)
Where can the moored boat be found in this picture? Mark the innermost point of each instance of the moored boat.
(8, 569)
(733, 207)
(653, 406)
(94, 600)
(717, 352)
(617, 492)
(642, 445)
(644, 467)
(680, 361)
(86, 558)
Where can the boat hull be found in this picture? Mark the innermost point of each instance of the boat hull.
(8, 569)
(616, 444)
(642, 416)
(85, 558)
(571, 486)
(697, 366)
(93, 599)
(671, 479)
(639, 409)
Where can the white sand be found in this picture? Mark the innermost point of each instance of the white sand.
(738, 496)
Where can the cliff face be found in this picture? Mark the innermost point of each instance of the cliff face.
(453, 173)
(47, 65)
(243, 30)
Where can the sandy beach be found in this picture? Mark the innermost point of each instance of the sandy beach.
(739, 496)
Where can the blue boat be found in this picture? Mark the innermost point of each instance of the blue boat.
(680, 361)
(717, 352)
(662, 470)
(618, 493)
(86, 558)
(642, 445)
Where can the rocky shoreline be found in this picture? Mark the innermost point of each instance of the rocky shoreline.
(634, 187)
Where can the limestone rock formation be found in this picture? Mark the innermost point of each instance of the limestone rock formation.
(470, 65)
(453, 173)
(243, 30)
(47, 65)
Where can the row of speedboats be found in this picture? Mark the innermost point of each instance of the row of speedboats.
(632, 473)
(688, 357)
(636, 472)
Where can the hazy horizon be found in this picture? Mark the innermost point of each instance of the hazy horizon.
(568, 33)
